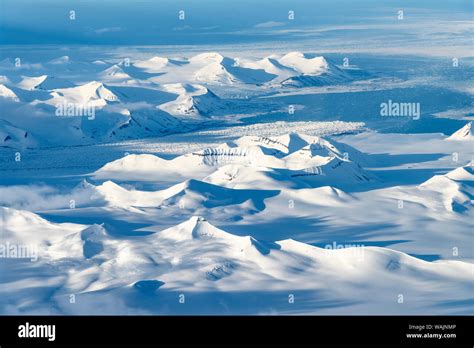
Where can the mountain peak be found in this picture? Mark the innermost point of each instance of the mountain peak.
(158, 59)
(308, 66)
(31, 82)
(207, 57)
(7, 93)
(196, 227)
(60, 60)
(465, 133)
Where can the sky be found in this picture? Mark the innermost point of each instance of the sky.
(156, 22)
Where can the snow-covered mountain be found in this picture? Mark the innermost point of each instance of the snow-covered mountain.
(463, 134)
(157, 64)
(115, 73)
(193, 101)
(125, 95)
(10, 134)
(195, 254)
(294, 69)
(217, 69)
(93, 93)
(232, 178)
(30, 83)
(454, 189)
(60, 60)
(309, 160)
(7, 94)
(22, 226)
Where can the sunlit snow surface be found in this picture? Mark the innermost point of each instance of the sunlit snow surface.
(240, 178)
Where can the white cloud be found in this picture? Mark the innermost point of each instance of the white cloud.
(107, 30)
(270, 24)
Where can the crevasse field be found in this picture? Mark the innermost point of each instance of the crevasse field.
(311, 157)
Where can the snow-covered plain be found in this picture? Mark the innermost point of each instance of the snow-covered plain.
(234, 184)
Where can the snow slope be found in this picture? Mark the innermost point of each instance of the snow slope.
(8, 94)
(21, 226)
(10, 134)
(304, 65)
(200, 182)
(157, 64)
(193, 100)
(93, 94)
(312, 161)
(463, 134)
(225, 70)
(157, 266)
(455, 189)
(131, 98)
(295, 69)
(115, 73)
